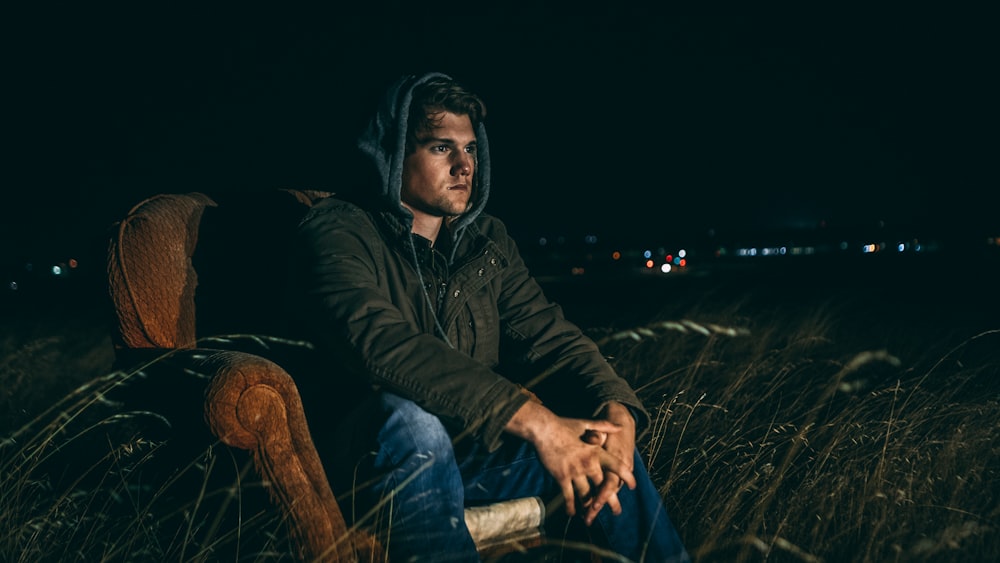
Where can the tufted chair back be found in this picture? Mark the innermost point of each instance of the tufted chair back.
(150, 273)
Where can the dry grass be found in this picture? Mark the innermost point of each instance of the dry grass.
(781, 443)
(91, 475)
(780, 433)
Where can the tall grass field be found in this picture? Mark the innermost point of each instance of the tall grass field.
(799, 414)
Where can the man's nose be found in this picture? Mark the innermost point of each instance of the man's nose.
(463, 164)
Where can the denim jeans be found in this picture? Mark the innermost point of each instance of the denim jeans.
(419, 488)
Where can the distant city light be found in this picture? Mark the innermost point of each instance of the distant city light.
(543, 241)
(682, 253)
(650, 263)
(73, 263)
(590, 239)
(901, 247)
(647, 254)
(12, 286)
(665, 268)
(683, 263)
(616, 255)
(57, 270)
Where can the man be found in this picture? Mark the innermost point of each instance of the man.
(470, 387)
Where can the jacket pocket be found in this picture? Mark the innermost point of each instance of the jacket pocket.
(480, 329)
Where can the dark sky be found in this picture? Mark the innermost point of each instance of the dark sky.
(614, 119)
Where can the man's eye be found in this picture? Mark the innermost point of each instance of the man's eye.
(471, 149)
(439, 148)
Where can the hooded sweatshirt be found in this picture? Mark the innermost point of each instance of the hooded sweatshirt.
(459, 327)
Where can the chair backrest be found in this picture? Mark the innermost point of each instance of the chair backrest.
(175, 254)
(151, 279)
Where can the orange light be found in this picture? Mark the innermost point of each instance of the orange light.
(616, 255)
(73, 263)
(649, 264)
(684, 262)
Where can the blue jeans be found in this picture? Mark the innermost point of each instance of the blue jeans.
(419, 487)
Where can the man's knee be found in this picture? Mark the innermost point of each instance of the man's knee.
(408, 422)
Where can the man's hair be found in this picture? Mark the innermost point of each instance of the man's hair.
(438, 95)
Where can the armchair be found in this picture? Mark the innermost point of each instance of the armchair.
(251, 401)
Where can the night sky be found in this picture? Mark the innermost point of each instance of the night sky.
(616, 119)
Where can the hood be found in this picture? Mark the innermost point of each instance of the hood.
(384, 142)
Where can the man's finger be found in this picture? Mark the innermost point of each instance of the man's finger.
(615, 465)
(595, 438)
(567, 489)
(606, 496)
(601, 426)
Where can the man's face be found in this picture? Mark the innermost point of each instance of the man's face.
(437, 175)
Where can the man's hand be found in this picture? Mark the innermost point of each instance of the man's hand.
(582, 469)
(620, 445)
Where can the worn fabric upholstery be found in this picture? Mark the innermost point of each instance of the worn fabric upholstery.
(150, 273)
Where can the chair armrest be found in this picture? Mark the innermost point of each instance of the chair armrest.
(253, 404)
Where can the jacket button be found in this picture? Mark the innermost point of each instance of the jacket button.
(482, 271)
(457, 292)
(493, 261)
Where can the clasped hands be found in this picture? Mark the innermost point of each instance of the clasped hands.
(620, 445)
(589, 459)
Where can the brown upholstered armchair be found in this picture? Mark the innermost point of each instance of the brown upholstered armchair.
(251, 402)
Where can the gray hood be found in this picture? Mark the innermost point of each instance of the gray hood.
(384, 142)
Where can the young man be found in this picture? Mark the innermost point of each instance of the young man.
(469, 386)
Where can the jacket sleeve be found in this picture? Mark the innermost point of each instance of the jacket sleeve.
(350, 311)
(569, 372)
